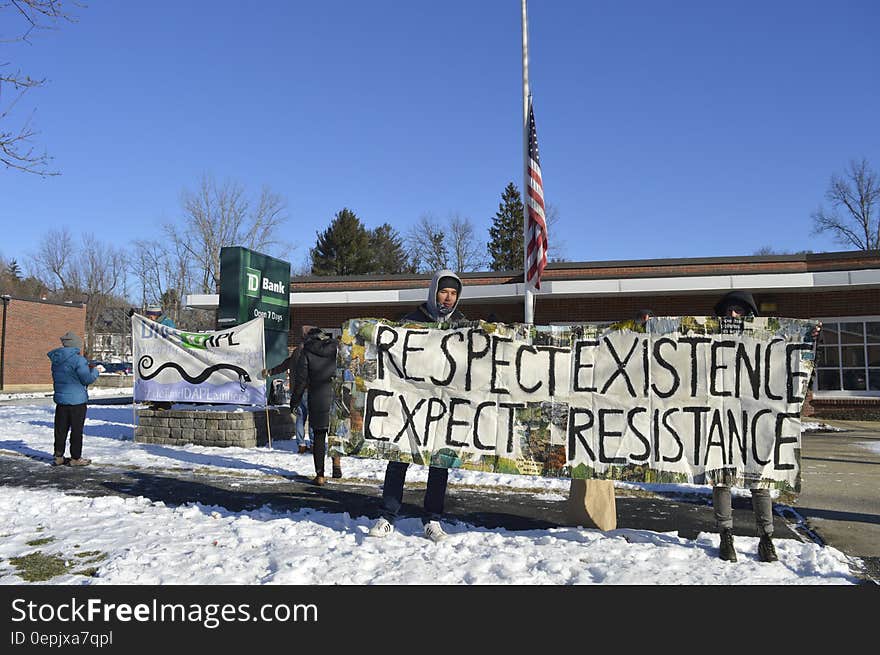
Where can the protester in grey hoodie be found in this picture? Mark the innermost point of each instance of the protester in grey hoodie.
(441, 307)
(71, 374)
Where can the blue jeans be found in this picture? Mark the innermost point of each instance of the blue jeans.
(301, 422)
(392, 491)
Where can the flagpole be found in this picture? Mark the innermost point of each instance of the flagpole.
(528, 313)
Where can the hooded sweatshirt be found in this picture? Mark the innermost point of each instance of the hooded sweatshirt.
(430, 311)
(315, 370)
(70, 376)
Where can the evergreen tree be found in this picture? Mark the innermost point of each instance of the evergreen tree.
(14, 269)
(343, 248)
(389, 254)
(506, 233)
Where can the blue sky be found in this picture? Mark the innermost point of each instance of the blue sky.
(676, 129)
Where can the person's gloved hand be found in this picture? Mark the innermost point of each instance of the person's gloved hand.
(264, 373)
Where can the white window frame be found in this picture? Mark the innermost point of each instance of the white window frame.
(844, 393)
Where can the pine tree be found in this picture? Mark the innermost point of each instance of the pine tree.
(14, 269)
(389, 254)
(343, 248)
(506, 233)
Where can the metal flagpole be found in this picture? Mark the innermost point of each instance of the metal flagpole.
(529, 316)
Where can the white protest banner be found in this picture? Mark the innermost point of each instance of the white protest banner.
(210, 367)
(691, 399)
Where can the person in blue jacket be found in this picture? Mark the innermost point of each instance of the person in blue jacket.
(71, 374)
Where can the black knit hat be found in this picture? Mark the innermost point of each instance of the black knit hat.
(448, 282)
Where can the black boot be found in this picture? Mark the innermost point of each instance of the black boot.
(766, 549)
(726, 551)
(337, 466)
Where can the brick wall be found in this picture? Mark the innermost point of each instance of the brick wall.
(33, 328)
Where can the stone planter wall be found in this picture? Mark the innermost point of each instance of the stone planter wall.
(245, 429)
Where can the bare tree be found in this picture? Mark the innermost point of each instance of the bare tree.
(855, 195)
(467, 252)
(426, 242)
(92, 272)
(16, 149)
(218, 215)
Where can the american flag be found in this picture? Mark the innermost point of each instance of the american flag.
(536, 230)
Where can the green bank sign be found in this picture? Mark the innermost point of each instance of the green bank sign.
(253, 285)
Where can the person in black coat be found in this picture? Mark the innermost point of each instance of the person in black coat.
(314, 372)
(441, 307)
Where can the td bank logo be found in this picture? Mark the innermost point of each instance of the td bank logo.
(257, 284)
(253, 282)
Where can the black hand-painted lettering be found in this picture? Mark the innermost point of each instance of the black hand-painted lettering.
(780, 441)
(694, 342)
(510, 416)
(576, 430)
(551, 368)
(519, 368)
(758, 414)
(407, 349)
(753, 372)
(630, 419)
(715, 428)
(698, 413)
(671, 430)
(578, 348)
(715, 366)
(669, 367)
(383, 349)
(477, 443)
(409, 419)
(473, 354)
(453, 403)
(444, 346)
(742, 437)
(430, 417)
(372, 412)
(767, 353)
(621, 367)
(605, 433)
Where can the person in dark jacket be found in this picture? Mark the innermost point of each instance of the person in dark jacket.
(299, 412)
(732, 309)
(441, 307)
(314, 372)
(71, 374)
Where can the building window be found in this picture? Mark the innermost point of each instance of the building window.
(848, 357)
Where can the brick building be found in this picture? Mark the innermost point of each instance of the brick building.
(842, 289)
(29, 329)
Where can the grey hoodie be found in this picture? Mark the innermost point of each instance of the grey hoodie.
(429, 312)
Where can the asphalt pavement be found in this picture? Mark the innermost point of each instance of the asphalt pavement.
(839, 504)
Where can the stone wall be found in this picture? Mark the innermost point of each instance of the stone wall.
(245, 429)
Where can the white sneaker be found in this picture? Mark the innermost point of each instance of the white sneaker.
(381, 528)
(434, 532)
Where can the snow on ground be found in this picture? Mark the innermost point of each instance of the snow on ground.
(147, 542)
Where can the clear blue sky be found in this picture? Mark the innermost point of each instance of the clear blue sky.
(667, 129)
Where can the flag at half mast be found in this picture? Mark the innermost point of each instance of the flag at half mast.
(536, 230)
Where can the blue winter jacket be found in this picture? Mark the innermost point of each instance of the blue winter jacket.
(70, 376)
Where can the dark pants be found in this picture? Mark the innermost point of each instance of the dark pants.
(392, 491)
(319, 450)
(69, 418)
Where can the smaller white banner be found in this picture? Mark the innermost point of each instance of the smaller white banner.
(210, 367)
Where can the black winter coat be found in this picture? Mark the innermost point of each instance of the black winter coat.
(315, 371)
(422, 315)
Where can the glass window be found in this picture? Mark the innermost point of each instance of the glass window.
(827, 356)
(828, 335)
(873, 329)
(828, 379)
(854, 379)
(852, 355)
(852, 332)
(874, 379)
(873, 355)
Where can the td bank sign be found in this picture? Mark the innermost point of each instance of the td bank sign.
(253, 285)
